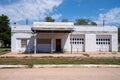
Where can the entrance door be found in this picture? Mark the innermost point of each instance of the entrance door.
(58, 45)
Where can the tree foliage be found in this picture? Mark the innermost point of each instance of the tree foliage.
(5, 32)
(82, 21)
(64, 20)
(118, 35)
(49, 19)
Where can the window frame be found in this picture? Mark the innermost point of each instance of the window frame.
(24, 43)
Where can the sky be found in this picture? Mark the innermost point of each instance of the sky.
(36, 10)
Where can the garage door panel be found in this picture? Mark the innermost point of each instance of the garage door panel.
(103, 43)
(43, 45)
(43, 48)
(78, 48)
(43, 41)
(103, 48)
(77, 42)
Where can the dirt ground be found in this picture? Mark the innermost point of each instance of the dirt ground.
(60, 74)
(91, 54)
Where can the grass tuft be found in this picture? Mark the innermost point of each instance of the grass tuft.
(87, 55)
(61, 60)
(4, 50)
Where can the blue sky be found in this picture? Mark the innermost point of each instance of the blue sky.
(36, 10)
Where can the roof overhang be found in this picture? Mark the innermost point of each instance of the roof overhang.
(53, 29)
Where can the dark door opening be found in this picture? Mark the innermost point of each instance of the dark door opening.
(58, 45)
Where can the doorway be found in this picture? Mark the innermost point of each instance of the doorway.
(58, 45)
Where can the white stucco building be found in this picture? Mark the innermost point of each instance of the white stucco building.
(63, 36)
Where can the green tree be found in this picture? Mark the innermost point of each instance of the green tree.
(82, 21)
(5, 33)
(118, 35)
(64, 20)
(49, 19)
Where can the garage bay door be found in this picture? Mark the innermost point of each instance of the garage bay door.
(103, 43)
(78, 42)
(43, 45)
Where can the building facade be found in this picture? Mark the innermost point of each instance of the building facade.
(63, 37)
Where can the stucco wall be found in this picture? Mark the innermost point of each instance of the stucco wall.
(16, 41)
(65, 41)
(90, 32)
(90, 42)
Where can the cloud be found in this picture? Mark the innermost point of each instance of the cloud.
(110, 17)
(30, 9)
(56, 16)
(102, 9)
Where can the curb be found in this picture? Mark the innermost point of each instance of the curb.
(13, 66)
(76, 66)
(60, 66)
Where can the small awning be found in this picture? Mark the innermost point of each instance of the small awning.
(53, 29)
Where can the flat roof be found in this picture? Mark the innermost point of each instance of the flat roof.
(51, 29)
(53, 24)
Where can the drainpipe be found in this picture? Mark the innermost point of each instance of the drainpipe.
(103, 22)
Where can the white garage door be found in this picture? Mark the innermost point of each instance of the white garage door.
(78, 42)
(43, 45)
(103, 43)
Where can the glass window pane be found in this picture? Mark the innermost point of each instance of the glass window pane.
(23, 43)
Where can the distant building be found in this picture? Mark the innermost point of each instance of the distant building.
(59, 36)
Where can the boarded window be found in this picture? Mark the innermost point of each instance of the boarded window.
(23, 43)
(43, 41)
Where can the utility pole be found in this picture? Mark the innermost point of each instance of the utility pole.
(103, 22)
(26, 21)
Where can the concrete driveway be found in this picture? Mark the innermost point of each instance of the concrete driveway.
(60, 74)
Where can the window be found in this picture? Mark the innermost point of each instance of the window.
(23, 43)
(77, 41)
(102, 40)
